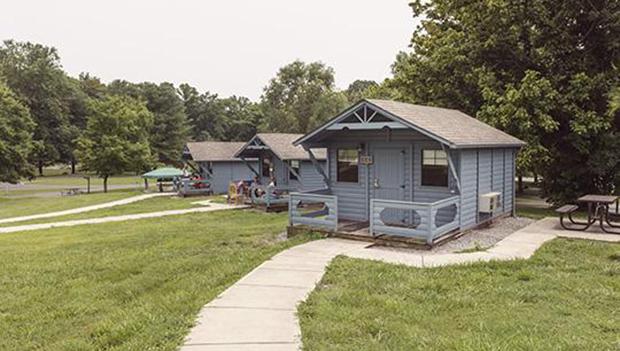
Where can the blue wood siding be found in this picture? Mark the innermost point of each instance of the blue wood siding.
(497, 183)
(479, 170)
(509, 180)
(468, 172)
(225, 172)
(311, 179)
(352, 197)
(423, 193)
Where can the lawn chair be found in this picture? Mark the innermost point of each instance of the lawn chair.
(234, 195)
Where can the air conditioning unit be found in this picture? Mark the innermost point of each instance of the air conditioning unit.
(489, 202)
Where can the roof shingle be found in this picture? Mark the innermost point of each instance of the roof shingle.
(453, 126)
(214, 150)
(281, 144)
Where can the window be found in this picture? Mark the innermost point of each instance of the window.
(347, 165)
(434, 168)
(267, 167)
(294, 165)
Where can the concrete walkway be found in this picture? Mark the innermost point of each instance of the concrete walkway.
(211, 207)
(259, 311)
(85, 208)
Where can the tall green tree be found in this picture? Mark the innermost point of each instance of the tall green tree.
(540, 69)
(16, 128)
(300, 97)
(34, 73)
(360, 89)
(241, 117)
(204, 114)
(116, 139)
(170, 129)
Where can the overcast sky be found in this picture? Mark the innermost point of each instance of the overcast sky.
(225, 47)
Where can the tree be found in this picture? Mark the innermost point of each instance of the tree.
(34, 73)
(359, 89)
(204, 114)
(241, 117)
(170, 127)
(16, 127)
(91, 86)
(300, 97)
(541, 69)
(523, 110)
(116, 139)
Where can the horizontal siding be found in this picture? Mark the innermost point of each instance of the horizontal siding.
(352, 201)
(311, 179)
(427, 193)
(226, 172)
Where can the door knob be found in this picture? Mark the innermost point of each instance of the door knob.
(376, 183)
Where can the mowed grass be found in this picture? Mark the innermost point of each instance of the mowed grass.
(135, 285)
(24, 206)
(567, 297)
(155, 204)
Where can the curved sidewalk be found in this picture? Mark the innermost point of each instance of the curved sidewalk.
(211, 207)
(259, 312)
(85, 208)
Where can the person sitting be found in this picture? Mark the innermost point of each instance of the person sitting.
(258, 190)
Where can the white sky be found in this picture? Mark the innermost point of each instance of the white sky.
(225, 47)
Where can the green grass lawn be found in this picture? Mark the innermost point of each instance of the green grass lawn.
(567, 297)
(155, 204)
(135, 285)
(24, 206)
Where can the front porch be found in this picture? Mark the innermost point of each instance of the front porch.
(416, 223)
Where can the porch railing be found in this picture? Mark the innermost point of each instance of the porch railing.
(426, 221)
(315, 210)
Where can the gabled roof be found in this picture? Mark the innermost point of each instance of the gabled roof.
(448, 126)
(281, 144)
(205, 151)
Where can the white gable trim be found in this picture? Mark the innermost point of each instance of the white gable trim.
(398, 123)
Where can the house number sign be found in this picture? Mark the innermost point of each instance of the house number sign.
(366, 160)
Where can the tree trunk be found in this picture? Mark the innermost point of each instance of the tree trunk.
(535, 178)
(72, 166)
(520, 184)
(40, 168)
(105, 184)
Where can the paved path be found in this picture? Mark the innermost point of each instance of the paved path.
(259, 311)
(84, 209)
(211, 207)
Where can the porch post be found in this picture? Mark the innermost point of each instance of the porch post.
(318, 167)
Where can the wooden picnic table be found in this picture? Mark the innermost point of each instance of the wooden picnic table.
(598, 209)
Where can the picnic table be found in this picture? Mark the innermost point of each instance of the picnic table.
(70, 192)
(599, 209)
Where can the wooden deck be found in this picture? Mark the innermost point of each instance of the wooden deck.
(360, 231)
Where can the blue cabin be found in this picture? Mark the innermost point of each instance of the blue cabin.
(291, 167)
(406, 170)
(217, 163)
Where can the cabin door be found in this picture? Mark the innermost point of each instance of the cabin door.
(388, 174)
